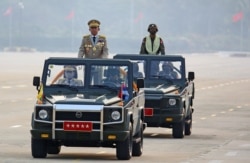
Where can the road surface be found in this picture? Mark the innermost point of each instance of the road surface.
(221, 120)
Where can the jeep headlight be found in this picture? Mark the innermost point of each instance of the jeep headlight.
(43, 114)
(172, 101)
(115, 115)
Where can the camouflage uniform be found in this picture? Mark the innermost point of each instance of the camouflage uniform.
(160, 49)
(152, 44)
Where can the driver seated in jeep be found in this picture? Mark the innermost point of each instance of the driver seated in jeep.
(70, 77)
(112, 75)
(136, 72)
(168, 71)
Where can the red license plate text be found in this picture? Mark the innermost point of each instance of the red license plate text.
(77, 126)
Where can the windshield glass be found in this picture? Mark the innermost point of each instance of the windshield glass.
(71, 75)
(165, 69)
(107, 75)
(139, 69)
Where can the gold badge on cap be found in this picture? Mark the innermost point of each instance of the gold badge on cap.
(94, 23)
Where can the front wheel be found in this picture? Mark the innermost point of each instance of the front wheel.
(38, 148)
(138, 145)
(53, 148)
(124, 148)
(178, 129)
(188, 124)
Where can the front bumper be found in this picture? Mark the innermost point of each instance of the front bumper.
(63, 136)
(163, 118)
(70, 122)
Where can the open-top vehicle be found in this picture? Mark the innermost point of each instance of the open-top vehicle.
(169, 94)
(88, 103)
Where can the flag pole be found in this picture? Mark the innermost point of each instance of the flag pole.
(21, 7)
(241, 34)
(72, 33)
(131, 17)
(10, 31)
(71, 17)
(242, 6)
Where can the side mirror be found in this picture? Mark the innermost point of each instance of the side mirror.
(140, 83)
(190, 76)
(36, 81)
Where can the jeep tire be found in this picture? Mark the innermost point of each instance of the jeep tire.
(178, 129)
(138, 145)
(124, 148)
(53, 148)
(38, 148)
(188, 124)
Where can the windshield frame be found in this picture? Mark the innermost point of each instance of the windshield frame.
(58, 89)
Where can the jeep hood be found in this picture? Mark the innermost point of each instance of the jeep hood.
(79, 99)
(161, 89)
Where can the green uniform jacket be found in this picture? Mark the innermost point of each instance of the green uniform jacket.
(157, 46)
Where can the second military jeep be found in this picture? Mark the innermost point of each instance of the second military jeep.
(169, 94)
(88, 103)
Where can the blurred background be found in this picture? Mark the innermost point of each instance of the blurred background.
(185, 26)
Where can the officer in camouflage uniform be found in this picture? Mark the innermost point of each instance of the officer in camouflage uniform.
(152, 44)
(94, 46)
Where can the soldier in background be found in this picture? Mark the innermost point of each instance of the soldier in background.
(93, 45)
(152, 44)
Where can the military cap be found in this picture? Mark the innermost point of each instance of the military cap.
(152, 26)
(112, 71)
(94, 23)
(69, 68)
(169, 64)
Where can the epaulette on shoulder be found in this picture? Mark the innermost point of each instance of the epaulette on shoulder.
(86, 36)
(102, 36)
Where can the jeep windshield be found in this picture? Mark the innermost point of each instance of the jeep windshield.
(110, 77)
(158, 70)
(75, 78)
(165, 69)
(66, 76)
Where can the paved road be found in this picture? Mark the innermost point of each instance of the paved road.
(221, 128)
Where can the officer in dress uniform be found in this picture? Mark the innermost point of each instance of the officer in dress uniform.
(93, 45)
(152, 44)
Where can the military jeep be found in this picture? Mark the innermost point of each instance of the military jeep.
(88, 103)
(169, 94)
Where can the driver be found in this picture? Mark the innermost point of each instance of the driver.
(113, 76)
(136, 72)
(168, 71)
(70, 77)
